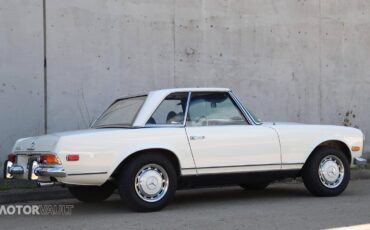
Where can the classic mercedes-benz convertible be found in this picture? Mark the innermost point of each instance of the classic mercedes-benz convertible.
(149, 146)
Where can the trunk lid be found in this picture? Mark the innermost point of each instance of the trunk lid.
(36, 144)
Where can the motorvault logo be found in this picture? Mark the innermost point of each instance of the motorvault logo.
(42, 210)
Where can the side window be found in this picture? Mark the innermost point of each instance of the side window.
(171, 111)
(211, 109)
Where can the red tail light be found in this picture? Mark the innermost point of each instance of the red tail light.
(50, 159)
(74, 157)
(12, 157)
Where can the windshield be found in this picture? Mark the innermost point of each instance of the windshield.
(122, 113)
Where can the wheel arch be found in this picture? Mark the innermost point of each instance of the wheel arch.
(167, 153)
(335, 144)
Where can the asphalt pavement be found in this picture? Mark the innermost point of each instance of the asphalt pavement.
(280, 206)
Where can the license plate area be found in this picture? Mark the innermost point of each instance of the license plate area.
(29, 162)
(22, 160)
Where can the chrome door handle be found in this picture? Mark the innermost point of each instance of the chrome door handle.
(193, 138)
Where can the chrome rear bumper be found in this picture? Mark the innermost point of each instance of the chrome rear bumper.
(10, 170)
(34, 171)
(359, 161)
(57, 171)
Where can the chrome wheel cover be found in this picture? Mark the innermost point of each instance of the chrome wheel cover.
(331, 171)
(151, 183)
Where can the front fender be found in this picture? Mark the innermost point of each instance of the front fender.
(299, 141)
(321, 141)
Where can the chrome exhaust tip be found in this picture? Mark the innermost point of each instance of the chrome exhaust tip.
(45, 184)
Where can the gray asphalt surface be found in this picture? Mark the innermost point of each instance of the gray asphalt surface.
(280, 206)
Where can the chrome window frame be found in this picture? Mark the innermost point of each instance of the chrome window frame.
(248, 117)
(235, 102)
(171, 125)
(245, 110)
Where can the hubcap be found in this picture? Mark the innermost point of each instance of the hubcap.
(331, 171)
(151, 183)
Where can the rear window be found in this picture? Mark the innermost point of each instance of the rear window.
(122, 113)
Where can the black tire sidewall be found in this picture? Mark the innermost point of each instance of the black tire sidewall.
(311, 177)
(127, 182)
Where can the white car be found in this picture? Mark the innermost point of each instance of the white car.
(150, 145)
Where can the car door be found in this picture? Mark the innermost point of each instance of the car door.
(222, 140)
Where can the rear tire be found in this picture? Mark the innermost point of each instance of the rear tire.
(326, 172)
(90, 194)
(255, 186)
(148, 182)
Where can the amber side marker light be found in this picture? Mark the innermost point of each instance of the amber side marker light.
(50, 159)
(356, 148)
(73, 157)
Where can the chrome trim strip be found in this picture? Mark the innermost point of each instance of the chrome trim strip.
(255, 168)
(31, 153)
(185, 172)
(235, 166)
(292, 166)
(187, 108)
(83, 174)
(242, 109)
(164, 126)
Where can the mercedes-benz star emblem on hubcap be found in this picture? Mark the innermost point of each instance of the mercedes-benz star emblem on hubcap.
(152, 182)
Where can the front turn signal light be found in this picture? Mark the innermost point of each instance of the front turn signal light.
(50, 159)
(356, 148)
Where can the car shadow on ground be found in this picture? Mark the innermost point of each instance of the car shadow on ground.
(236, 195)
(200, 198)
(193, 198)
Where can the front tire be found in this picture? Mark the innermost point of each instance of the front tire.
(148, 182)
(326, 172)
(90, 194)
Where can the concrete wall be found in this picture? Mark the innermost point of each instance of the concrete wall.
(21, 72)
(289, 60)
(100, 50)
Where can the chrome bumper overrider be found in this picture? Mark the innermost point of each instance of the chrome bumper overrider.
(359, 161)
(35, 170)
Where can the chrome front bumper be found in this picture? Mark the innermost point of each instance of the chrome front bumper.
(359, 161)
(34, 170)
